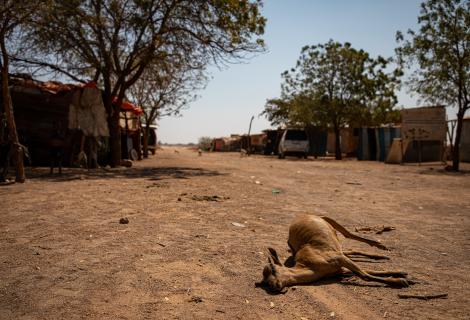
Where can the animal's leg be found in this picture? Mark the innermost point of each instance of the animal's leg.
(292, 251)
(289, 262)
(295, 276)
(349, 235)
(274, 256)
(388, 273)
(348, 264)
(280, 277)
(385, 273)
(365, 254)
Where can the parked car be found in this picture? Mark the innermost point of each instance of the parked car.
(294, 142)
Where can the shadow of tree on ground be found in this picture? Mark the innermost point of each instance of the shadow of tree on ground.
(149, 173)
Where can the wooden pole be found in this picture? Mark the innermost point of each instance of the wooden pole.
(249, 138)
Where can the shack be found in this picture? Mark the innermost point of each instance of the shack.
(44, 110)
(375, 143)
(465, 141)
(273, 137)
(218, 144)
(152, 139)
(423, 136)
(258, 142)
(348, 141)
(254, 143)
(234, 142)
(318, 139)
(131, 130)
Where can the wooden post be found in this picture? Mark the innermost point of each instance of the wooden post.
(249, 138)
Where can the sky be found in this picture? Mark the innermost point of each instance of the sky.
(239, 91)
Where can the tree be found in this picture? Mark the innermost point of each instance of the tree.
(441, 49)
(114, 41)
(205, 143)
(164, 90)
(334, 85)
(278, 111)
(13, 14)
(299, 110)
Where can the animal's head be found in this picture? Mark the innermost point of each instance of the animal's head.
(272, 273)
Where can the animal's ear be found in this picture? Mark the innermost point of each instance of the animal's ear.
(274, 256)
(272, 268)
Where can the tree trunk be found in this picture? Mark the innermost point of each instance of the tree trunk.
(146, 140)
(8, 108)
(337, 143)
(115, 139)
(114, 114)
(456, 149)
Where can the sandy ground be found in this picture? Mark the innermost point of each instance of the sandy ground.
(64, 254)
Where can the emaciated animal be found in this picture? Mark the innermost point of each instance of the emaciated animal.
(317, 254)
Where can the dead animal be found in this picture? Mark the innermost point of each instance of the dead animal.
(317, 254)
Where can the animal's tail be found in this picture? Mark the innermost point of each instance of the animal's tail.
(349, 235)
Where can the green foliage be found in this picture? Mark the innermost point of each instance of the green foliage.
(334, 85)
(277, 111)
(341, 85)
(205, 143)
(120, 38)
(440, 48)
(167, 88)
(114, 42)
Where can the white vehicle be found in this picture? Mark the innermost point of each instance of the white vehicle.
(294, 142)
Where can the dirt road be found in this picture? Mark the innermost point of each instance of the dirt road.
(64, 254)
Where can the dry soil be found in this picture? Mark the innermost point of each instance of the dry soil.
(197, 235)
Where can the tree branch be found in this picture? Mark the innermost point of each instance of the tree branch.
(50, 66)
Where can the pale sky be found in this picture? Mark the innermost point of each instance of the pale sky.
(240, 91)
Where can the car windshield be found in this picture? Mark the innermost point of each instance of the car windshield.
(296, 135)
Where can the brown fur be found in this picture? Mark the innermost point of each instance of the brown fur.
(317, 254)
